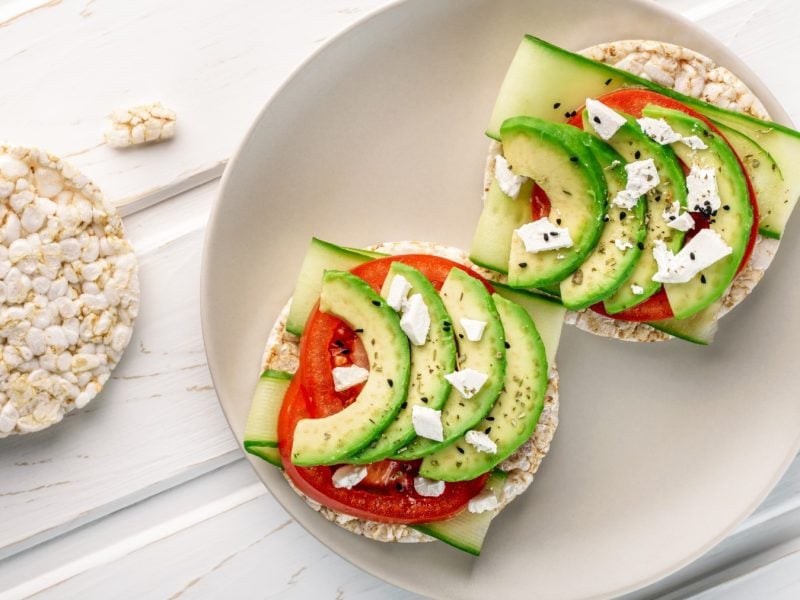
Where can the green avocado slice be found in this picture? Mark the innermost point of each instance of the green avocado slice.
(429, 363)
(330, 439)
(516, 411)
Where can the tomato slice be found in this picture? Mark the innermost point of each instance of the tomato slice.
(387, 493)
(632, 102)
(540, 203)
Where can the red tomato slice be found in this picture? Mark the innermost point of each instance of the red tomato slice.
(540, 203)
(387, 493)
(632, 102)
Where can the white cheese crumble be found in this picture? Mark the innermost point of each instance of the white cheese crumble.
(480, 441)
(346, 377)
(473, 328)
(467, 382)
(140, 124)
(703, 196)
(429, 488)
(658, 130)
(605, 121)
(427, 423)
(542, 235)
(484, 501)
(349, 476)
(702, 251)
(508, 181)
(416, 320)
(398, 292)
(674, 219)
(622, 245)
(642, 177)
(694, 142)
(637, 289)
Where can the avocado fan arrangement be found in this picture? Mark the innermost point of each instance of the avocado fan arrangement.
(409, 396)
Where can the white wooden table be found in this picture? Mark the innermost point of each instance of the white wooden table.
(145, 493)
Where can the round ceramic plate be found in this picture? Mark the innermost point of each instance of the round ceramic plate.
(662, 449)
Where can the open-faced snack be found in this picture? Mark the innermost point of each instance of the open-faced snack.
(694, 184)
(405, 397)
(69, 290)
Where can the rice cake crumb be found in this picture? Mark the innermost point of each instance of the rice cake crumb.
(69, 290)
(140, 124)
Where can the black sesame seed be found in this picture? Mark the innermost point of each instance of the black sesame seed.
(390, 382)
(640, 245)
(345, 351)
(546, 237)
(726, 207)
(523, 265)
(558, 221)
(359, 331)
(573, 158)
(507, 345)
(460, 449)
(398, 486)
(637, 155)
(608, 81)
(404, 405)
(691, 255)
(424, 399)
(556, 105)
(622, 215)
(554, 233)
(596, 119)
(702, 278)
(490, 418)
(487, 430)
(606, 219)
(567, 114)
(461, 336)
(338, 343)
(376, 302)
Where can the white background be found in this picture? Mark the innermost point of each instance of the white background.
(145, 493)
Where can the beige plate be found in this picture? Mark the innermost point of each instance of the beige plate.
(662, 449)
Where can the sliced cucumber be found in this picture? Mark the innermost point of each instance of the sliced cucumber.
(515, 413)
(466, 297)
(330, 439)
(271, 455)
(546, 81)
(764, 174)
(608, 265)
(556, 157)
(429, 363)
(262, 421)
(466, 531)
(501, 215)
(547, 314)
(733, 222)
(700, 328)
(321, 256)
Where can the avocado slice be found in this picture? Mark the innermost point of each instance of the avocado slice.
(633, 144)
(733, 222)
(558, 159)
(618, 249)
(765, 175)
(330, 439)
(516, 411)
(466, 297)
(429, 364)
(548, 82)
(500, 216)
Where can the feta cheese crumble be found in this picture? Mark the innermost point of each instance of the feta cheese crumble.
(703, 196)
(140, 124)
(508, 181)
(694, 142)
(605, 121)
(398, 292)
(349, 476)
(658, 130)
(637, 290)
(346, 377)
(427, 423)
(467, 382)
(674, 219)
(480, 441)
(542, 235)
(416, 320)
(473, 329)
(623, 245)
(702, 251)
(429, 488)
(484, 501)
(642, 177)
